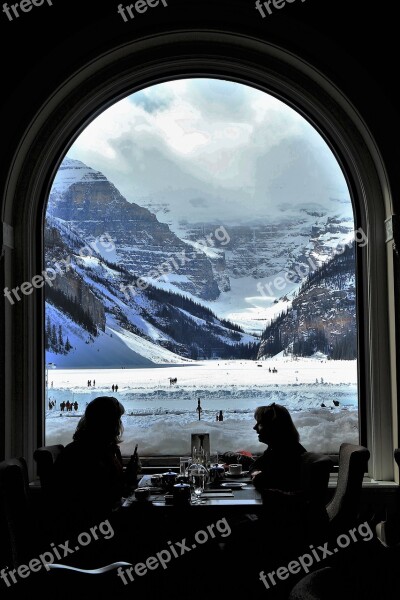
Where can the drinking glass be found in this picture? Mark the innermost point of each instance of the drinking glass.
(184, 463)
(198, 484)
(197, 479)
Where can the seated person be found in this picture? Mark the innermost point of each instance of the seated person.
(280, 466)
(89, 481)
(277, 474)
(280, 474)
(89, 484)
(279, 533)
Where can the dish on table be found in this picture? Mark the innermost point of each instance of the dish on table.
(234, 485)
(242, 474)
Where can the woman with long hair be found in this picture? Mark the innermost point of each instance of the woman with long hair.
(89, 480)
(280, 465)
(277, 534)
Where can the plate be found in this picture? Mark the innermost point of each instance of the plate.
(234, 485)
(242, 474)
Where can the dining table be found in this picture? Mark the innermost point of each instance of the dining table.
(232, 493)
(235, 503)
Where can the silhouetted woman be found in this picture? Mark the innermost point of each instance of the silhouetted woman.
(278, 533)
(89, 480)
(279, 467)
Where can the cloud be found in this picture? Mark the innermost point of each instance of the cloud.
(151, 102)
(229, 145)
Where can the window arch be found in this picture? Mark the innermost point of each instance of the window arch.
(173, 56)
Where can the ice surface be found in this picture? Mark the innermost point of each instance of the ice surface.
(160, 417)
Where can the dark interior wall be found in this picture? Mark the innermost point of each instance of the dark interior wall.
(352, 42)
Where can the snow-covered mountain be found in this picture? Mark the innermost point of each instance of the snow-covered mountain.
(258, 250)
(156, 292)
(91, 205)
(96, 316)
(321, 317)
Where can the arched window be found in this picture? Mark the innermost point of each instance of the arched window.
(151, 61)
(200, 242)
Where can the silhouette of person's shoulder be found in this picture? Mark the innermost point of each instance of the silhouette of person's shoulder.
(72, 458)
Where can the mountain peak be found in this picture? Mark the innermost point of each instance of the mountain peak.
(73, 171)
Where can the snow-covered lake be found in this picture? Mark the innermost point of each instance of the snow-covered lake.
(160, 417)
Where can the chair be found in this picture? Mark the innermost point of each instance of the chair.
(397, 456)
(388, 531)
(45, 458)
(322, 584)
(343, 507)
(299, 517)
(27, 541)
(315, 471)
(18, 522)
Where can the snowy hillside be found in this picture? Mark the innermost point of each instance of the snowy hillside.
(321, 317)
(124, 273)
(96, 315)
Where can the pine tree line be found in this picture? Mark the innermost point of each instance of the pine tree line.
(205, 342)
(336, 269)
(283, 332)
(70, 306)
(194, 308)
(54, 338)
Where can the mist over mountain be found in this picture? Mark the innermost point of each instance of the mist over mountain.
(90, 204)
(99, 311)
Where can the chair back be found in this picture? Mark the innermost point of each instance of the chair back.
(321, 584)
(397, 456)
(343, 508)
(45, 458)
(315, 471)
(17, 517)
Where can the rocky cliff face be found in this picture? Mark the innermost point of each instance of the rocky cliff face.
(60, 258)
(88, 297)
(322, 317)
(75, 288)
(263, 250)
(143, 245)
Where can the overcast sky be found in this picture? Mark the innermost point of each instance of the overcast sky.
(213, 149)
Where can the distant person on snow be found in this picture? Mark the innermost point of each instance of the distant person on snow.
(199, 409)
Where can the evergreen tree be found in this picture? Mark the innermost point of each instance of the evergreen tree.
(54, 337)
(60, 337)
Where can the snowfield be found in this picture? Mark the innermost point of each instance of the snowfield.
(160, 417)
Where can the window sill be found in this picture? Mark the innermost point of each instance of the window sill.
(368, 482)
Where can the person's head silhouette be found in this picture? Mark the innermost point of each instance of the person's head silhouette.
(275, 426)
(101, 424)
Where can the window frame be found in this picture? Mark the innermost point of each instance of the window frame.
(151, 60)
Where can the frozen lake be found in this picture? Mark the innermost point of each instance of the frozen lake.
(160, 417)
